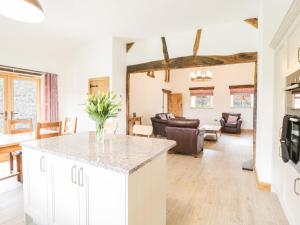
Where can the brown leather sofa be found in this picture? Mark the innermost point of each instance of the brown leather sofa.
(231, 127)
(189, 138)
(160, 122)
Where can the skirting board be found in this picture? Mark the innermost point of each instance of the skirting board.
(262, 185)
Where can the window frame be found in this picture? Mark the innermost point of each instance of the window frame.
(241, 107)
(193, 102)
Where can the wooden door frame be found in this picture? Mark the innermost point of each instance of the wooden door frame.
(8, 92)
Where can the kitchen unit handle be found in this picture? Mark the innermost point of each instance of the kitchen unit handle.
(73, 175)
(42, 164)
(295, 186)
(80, 177)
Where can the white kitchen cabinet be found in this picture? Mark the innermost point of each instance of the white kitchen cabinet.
(35, 170)
(291, 194)
(102, 196)
(63, 204)
(78, 192)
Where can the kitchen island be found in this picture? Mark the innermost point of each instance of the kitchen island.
(77, 180)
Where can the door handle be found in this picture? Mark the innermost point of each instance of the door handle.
(80, 177)
(42, 164)
(73, 174)
(295, 186)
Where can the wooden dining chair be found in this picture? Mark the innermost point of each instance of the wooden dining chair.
(142, 130)
(70, 125)
(111, 127)
(48, 129)
(18, 126)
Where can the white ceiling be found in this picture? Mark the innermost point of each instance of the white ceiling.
(89, 19)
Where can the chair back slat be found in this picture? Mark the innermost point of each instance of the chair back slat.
(13, 129)
(42, 132)
(70, 125)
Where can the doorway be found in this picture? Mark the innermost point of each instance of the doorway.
(20, 98)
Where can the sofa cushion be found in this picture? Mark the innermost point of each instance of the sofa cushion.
(171, 116)
(232, 125)
(161, 116)
(232, 119)
(184, 123)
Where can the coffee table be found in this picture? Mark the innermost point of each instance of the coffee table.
(211, 130)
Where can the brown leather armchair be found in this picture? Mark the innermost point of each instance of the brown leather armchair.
(231, 127)
(189, 138)
(160, 122)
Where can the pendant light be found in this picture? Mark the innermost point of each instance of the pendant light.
(29, 11)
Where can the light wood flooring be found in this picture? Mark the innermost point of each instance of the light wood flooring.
(209, 190)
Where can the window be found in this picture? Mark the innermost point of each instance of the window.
(241, 96)
(202, 97)
(296, 101)
(242, 100)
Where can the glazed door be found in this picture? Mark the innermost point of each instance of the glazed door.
(20, 98)
(25, 98)
(175, 104)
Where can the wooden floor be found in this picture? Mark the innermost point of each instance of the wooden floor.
(209, 190)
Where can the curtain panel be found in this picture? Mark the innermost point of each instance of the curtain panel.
(50, 98)
(202, 91)
(241, 89)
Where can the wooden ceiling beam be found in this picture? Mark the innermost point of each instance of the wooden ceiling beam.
(253, 22)
(129, 46)
(197, 42)
(167, 75)
(193, 61)
(165, 49)
(151, 74)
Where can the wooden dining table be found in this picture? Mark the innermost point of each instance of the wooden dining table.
(12, 143)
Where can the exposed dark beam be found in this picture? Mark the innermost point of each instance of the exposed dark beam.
(167, 76)
(151, 74)
(129, 46)
(197, 42)
(252, 21)
(165, 49)
(193, 61)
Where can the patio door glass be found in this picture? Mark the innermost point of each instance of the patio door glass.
(19, 99)
(25, 99)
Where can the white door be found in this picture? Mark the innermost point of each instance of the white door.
(35, 185)
(103, 196)
(64, 208)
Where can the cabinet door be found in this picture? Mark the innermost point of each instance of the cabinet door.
(102, 196)
(64, 191)
(293, 48)
(35, 185)
(291, 197)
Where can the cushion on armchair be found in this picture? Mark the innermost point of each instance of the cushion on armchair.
(232, 119)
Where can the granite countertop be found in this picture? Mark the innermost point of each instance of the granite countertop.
(120, 153)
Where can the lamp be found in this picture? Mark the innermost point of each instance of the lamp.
(29, 11)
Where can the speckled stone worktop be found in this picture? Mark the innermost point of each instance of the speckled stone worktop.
(120, 153)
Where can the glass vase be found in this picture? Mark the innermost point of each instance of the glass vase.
(100, 132)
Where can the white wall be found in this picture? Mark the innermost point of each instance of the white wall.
(271, 15)
(146, 94)
(223, 77)
(229, 38)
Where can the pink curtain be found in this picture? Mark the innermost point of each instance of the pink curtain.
(50, 98)
(202, 91)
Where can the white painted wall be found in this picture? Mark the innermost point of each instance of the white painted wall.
(223, 77)
(146, 95)
(228, 38)
(271, 15)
